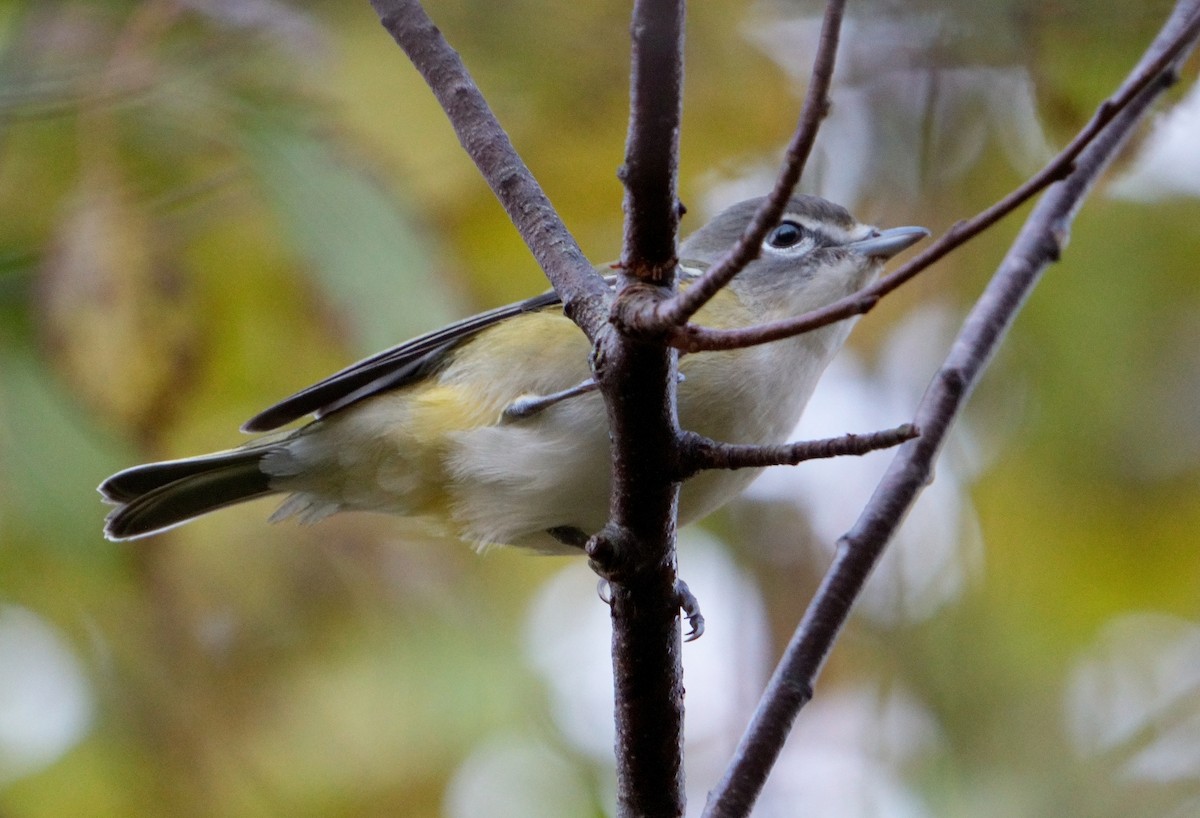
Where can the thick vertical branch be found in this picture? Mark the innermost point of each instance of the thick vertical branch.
(637, 548)
(1039, 244)
(652, 145)
(638, 380)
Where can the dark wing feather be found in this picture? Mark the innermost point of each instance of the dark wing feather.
(386, 370)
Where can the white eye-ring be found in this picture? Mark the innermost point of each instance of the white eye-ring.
(786, 236)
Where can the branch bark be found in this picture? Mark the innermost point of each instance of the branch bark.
(636, 550)
(652, 144)
(1039, 244)
(701, 453)
(584, 294)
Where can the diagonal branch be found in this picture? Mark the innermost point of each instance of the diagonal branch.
(585, 296)
(684, 305)
(1039, 244)
(692, 338)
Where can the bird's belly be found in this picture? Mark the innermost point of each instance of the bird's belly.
(511, 482)
(490, 482)
(756, 399)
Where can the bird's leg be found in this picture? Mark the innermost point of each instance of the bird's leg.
(600, 550)
(570, 535)
(529, 405)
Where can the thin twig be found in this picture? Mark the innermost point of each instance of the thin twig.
(682, 306)
(585, 296)
(693, 338)
(703, 453)
(1036, 247)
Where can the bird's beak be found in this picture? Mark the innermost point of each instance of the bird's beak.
(887, 243)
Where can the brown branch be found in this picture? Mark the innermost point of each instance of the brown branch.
(652, 145)
(1037, 246)
(701, 453)
(684, 305)
(693, 338)
(636, 550)
(637, 547)
(585, 296)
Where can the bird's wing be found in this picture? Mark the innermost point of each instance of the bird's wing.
(389, 369)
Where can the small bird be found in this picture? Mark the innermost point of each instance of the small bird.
(490, 430)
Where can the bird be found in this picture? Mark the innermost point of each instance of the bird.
(490, 430)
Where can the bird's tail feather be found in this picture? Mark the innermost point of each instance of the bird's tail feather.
(158, 496)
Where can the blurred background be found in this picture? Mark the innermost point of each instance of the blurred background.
(208, 204)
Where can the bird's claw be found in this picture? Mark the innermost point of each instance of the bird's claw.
(691, 609)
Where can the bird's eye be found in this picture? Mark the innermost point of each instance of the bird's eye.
(787, 234)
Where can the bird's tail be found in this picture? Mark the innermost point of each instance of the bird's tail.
(158, 496)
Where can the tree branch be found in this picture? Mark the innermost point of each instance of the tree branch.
(636, 550)
(652, 144)
(1037, 246)
(584, 294)
(691, 338)
(684, 305)
(700, 453)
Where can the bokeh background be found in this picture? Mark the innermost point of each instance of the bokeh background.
(208, 204)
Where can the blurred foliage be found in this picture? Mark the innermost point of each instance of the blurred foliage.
(208, 204)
